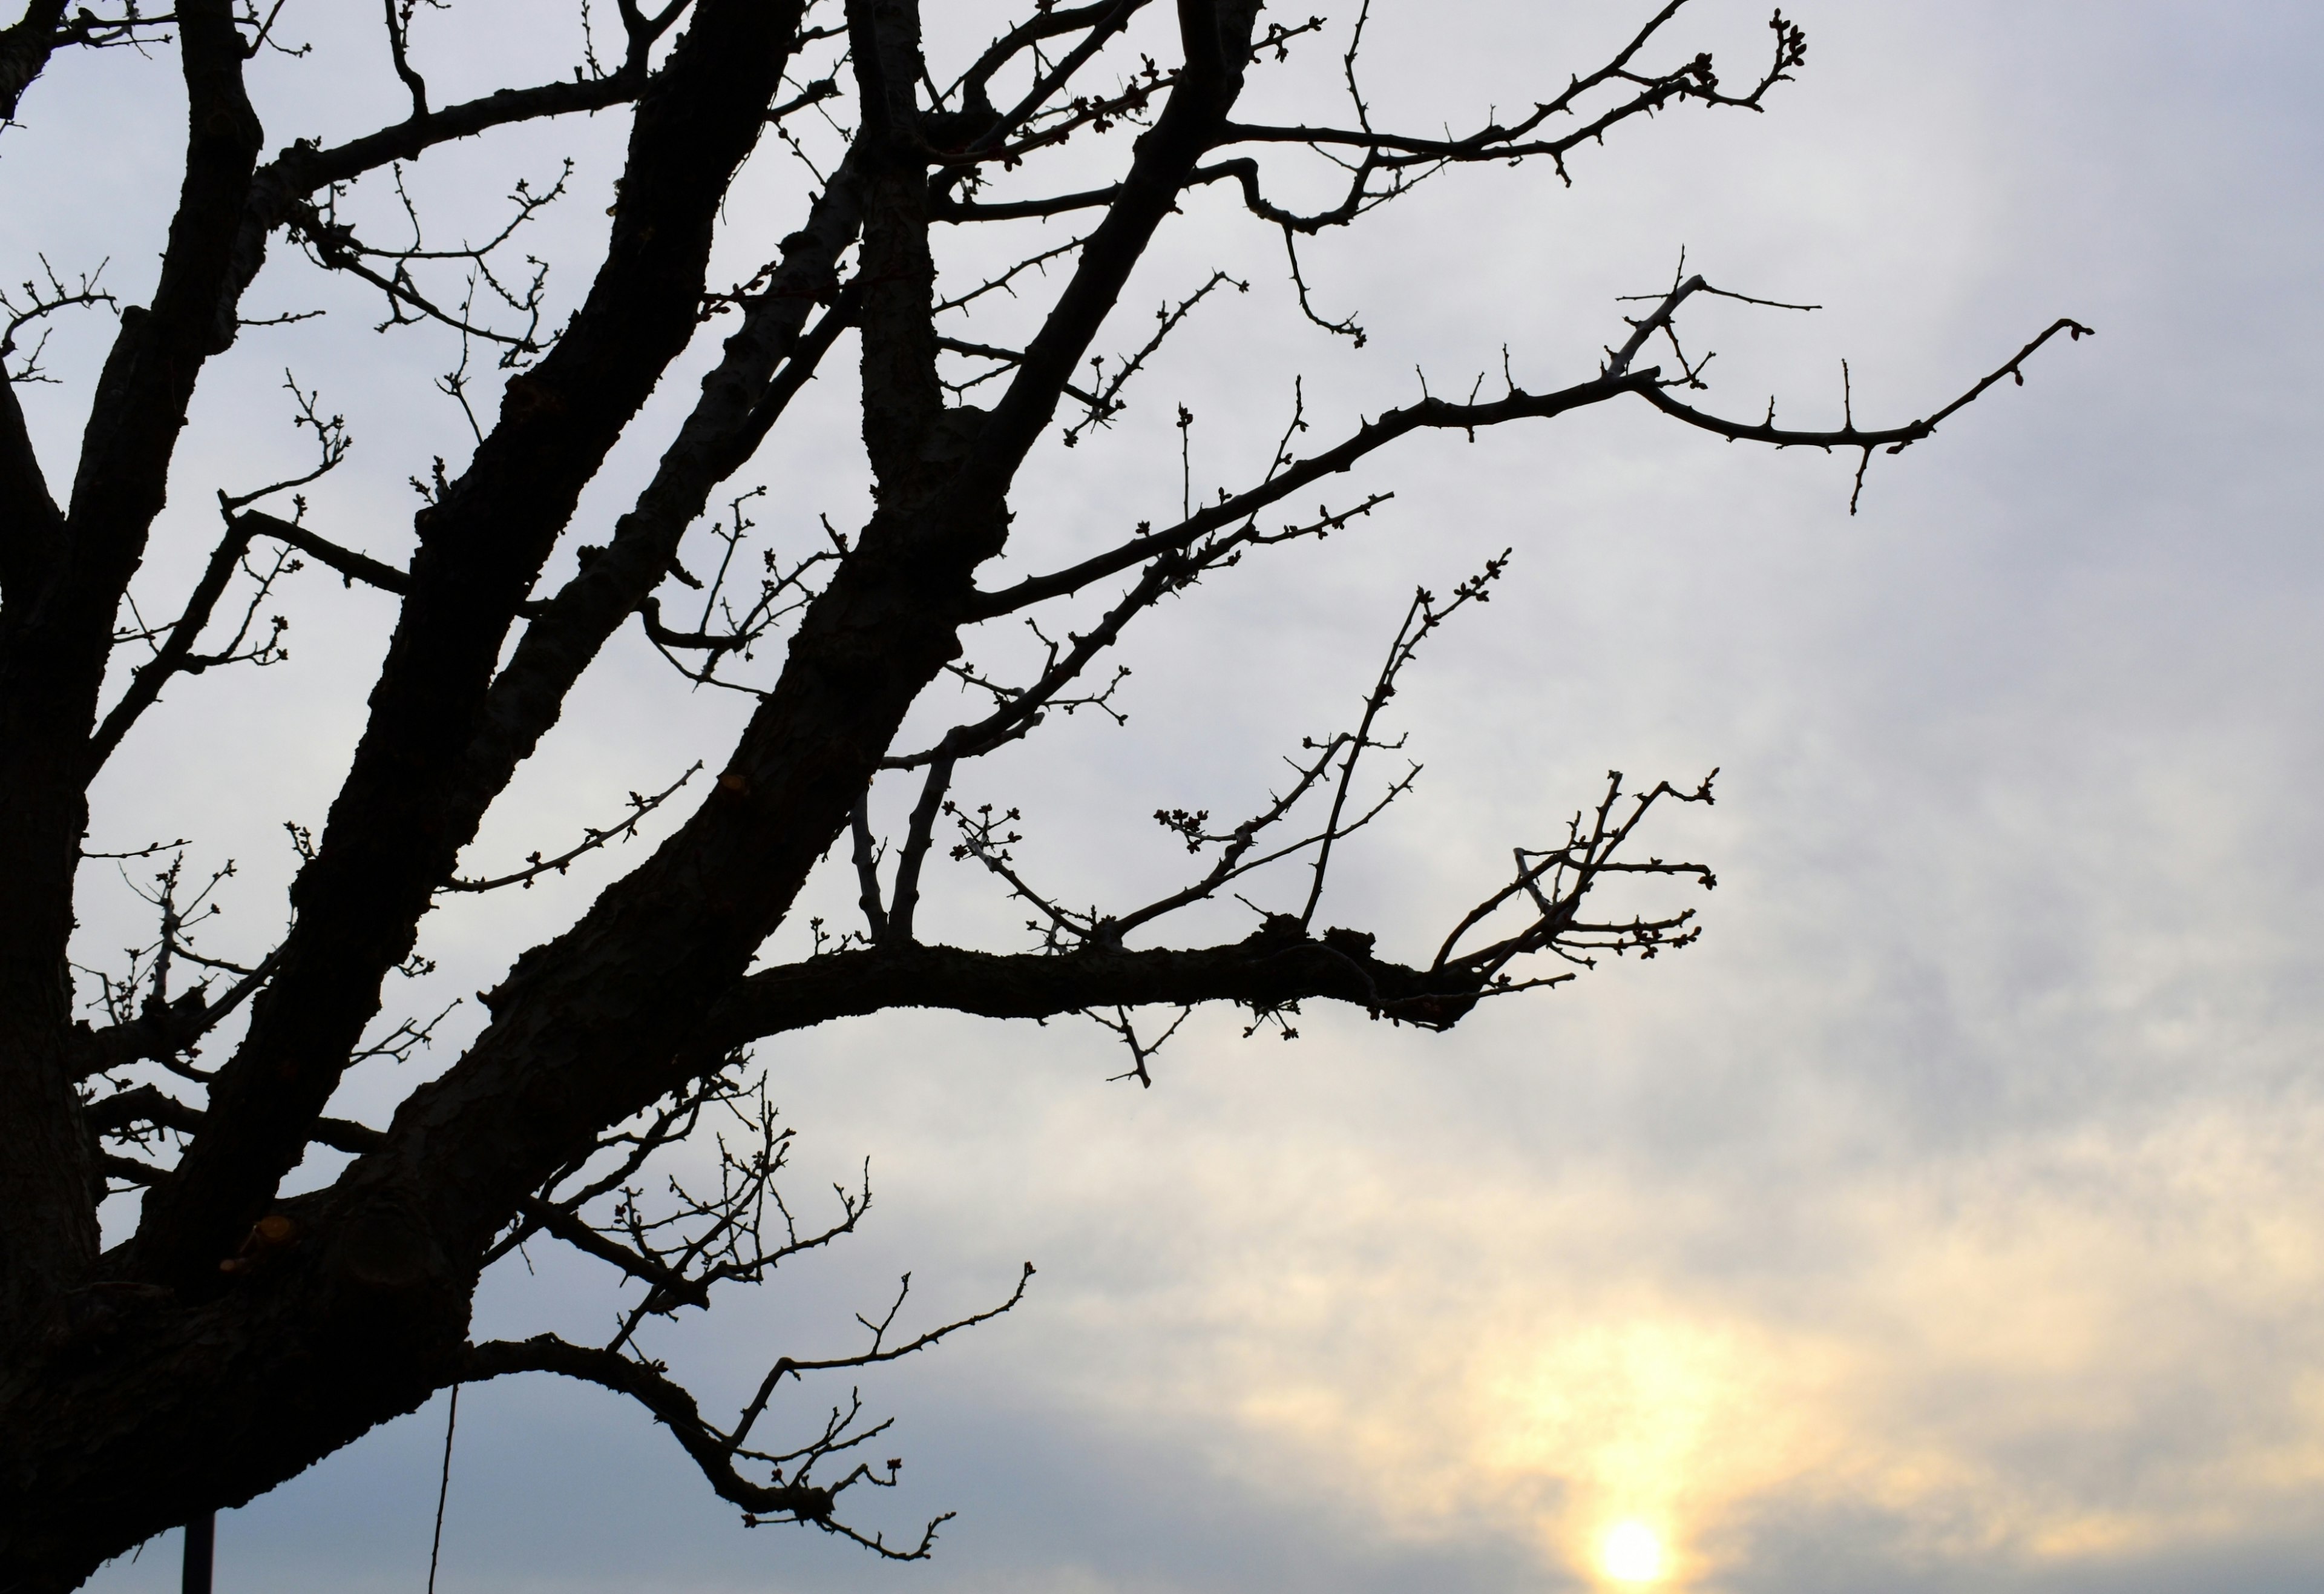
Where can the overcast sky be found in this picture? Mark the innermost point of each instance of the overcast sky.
(1948, 1219)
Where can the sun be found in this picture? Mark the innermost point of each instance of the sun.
(1631, 1552)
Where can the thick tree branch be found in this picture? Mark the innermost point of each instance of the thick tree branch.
(388, 844)
(303, 170)
(56, 632)
(242, 1334)
(766, 363)
(146, 1104)
(26, 47)
(1216, 37)
(574, 1018)
(32, 526)
(902, 399)
(352, 566)
(1276, 966)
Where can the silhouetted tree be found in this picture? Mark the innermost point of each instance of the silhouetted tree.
(236, 1335)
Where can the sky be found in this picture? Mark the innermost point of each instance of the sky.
(1947, 1218)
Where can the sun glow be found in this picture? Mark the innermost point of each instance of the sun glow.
(1630, 1553)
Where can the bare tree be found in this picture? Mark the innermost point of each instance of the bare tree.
(237, 1334)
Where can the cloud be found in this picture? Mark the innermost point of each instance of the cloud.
(2070, 1352)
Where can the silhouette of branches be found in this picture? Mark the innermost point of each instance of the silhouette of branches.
(968, 222)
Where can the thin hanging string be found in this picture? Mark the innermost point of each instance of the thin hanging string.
(443, 1488)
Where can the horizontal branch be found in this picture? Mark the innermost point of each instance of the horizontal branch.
(353, 567)
(129, 1169)
(308, 168)
(147, 1105)
(1896, 440)
(1851, 436)
(942, 207)
(1276, 966)
(1437, 415)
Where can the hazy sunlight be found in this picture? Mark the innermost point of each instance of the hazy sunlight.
(1630, 1553)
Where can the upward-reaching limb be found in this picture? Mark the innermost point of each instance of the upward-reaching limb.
(388, 844)
(56, 625)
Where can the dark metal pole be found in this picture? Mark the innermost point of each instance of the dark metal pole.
(443, 1490)
(201, 1541)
